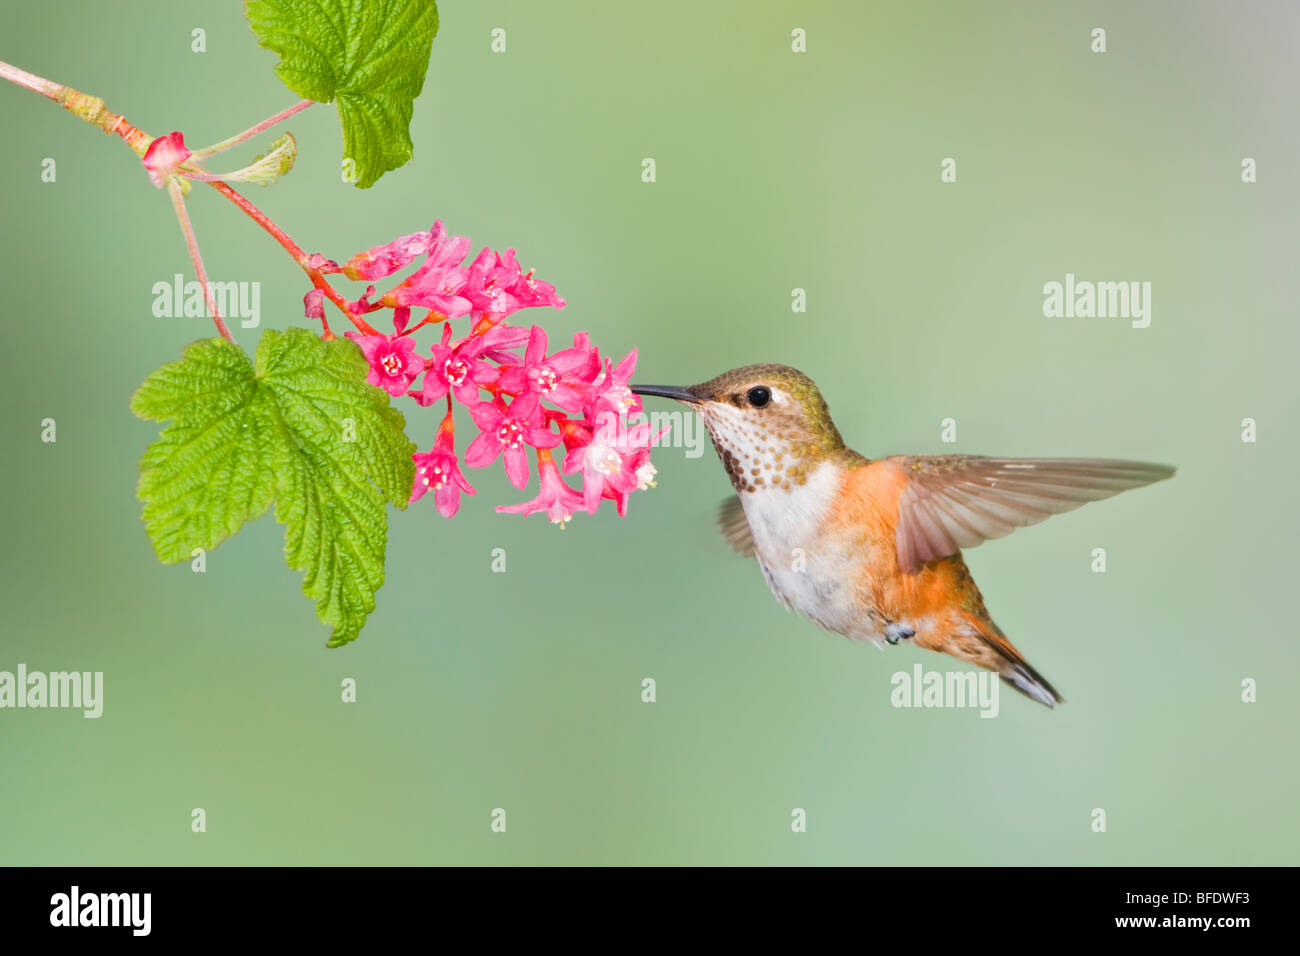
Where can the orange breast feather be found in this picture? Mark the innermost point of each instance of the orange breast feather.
(867, 514)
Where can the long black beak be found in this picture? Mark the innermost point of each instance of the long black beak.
(667, 391)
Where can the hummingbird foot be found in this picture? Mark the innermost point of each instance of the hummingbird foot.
(895, 632)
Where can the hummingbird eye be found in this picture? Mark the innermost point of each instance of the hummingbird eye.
(759, 396)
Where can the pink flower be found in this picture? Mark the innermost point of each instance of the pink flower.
(438, 282)
(529, 291)
(614, 461)
(457, 369)
(564, 379)
(638, 463)
(164, 156)
(400, 318)
(508, 430)
(611, 392)
(313, 304)
(393, 362)
(381, 261)
(438, 471)
(488, 284)
(556, 498)
(500, 338)
(322, 265)
(362, 305)
(536, 401)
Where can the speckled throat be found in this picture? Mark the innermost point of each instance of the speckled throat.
(769, 424)
(766, 449)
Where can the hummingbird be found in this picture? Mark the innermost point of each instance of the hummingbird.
(871, 549)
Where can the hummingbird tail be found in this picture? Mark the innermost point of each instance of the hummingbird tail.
(1012, 667)
(1031, 683)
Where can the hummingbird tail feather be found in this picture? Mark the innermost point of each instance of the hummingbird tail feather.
(1032, 684)
(1012, 667)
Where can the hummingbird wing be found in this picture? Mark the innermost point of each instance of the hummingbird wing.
(735, 527)
(950, 502)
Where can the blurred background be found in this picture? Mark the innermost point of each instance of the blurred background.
(775, 170)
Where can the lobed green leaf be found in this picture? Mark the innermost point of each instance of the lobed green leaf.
(370, 56)
(300, 428)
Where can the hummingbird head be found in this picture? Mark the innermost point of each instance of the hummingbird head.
(769, 423)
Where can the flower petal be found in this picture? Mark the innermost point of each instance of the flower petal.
(483, 450)
(516, 466)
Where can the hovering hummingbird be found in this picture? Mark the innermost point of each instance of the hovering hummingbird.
(870, 549)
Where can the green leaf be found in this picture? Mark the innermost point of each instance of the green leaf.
(214, 467)
(266, 169)
(369, 55)
(300, 428)
(318, 385)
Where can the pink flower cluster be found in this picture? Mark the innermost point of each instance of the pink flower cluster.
(538, 401)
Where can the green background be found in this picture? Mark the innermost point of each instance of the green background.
(775, 170)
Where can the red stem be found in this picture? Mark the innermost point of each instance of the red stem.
(317, 278)
(252, 130)
(30, 81)
(93, 111)
(425, 321)
(89, 108)
(192, 243)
